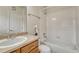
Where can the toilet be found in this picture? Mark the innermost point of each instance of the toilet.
(44, 49)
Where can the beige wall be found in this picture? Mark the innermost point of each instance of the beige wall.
(31, 20)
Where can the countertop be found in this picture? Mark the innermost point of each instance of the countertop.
(30, 38)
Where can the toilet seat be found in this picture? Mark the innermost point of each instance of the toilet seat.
(44, 49)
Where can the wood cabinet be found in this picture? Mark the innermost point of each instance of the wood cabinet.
(32, 47)
(36, 50)
(16, 51)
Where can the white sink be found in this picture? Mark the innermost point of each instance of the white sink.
(13, 42)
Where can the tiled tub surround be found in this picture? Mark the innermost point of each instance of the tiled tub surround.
(30, 39)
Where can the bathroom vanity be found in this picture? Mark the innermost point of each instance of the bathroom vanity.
(31, 47)
(21, 43)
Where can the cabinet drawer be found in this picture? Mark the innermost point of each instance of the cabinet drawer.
(36, 50)
(29, 47)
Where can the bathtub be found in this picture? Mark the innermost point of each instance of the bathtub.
(60, 49)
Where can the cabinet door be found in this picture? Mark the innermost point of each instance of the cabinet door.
(29, 47)
(36, 50)
(4, 19)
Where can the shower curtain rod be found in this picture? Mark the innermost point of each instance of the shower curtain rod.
(34, 15)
